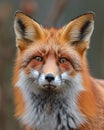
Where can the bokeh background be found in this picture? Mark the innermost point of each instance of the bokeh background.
(48, 13)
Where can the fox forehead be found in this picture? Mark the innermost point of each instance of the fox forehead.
(50, 47)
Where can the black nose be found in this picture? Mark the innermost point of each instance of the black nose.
(49, 77)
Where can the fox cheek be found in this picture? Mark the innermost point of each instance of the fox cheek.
(41, 79)
(65, 76)
(66, 68)
(35, 74)
(32, 67)
(58, 81)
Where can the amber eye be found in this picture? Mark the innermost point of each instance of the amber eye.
(62, 60)
(38, 58)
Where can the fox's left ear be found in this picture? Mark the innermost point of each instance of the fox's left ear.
(79, 30)
(26, 29)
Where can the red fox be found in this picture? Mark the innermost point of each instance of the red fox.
(53, 89)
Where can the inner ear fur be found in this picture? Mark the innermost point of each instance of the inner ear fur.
(78, 32)
(26, 29)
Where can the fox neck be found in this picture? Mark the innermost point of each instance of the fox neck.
(59, 108)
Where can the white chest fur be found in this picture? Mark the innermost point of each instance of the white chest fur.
(51, 111)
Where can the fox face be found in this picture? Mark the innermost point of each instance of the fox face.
(50, 72)
(52, 57)
(50, 66)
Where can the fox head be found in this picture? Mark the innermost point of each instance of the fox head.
(51, 58)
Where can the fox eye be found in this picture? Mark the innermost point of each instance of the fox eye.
(62, 60)
(38, 58)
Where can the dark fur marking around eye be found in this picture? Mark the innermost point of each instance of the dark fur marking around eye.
(83, 31)
(22, 26)
(76, 65)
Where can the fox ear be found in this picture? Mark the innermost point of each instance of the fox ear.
(26, 28)
(79, 30)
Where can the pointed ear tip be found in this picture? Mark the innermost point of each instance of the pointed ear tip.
(91, 14)
(18, 12)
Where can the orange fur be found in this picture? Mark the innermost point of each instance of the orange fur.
(19, 102)
(52, 42)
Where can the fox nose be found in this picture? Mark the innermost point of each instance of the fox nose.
(49, 77)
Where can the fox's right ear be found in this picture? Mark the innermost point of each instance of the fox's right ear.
(26, 28)
(78, 32)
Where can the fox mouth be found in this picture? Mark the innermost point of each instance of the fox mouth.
(49, 86)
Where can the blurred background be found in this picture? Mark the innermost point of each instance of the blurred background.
(48, 13)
